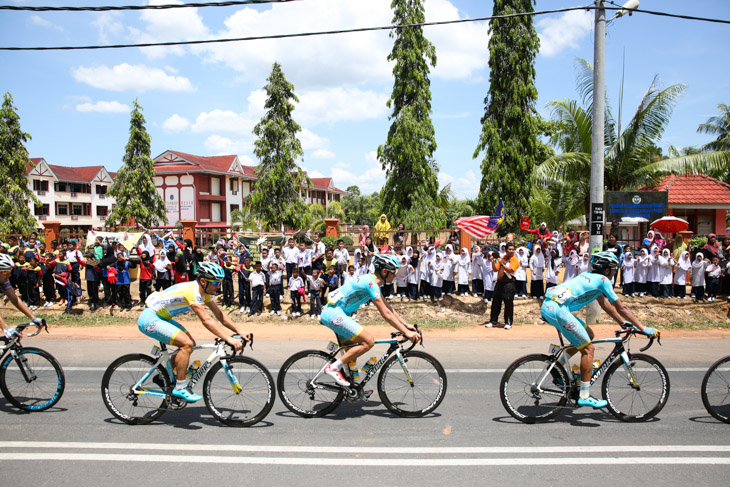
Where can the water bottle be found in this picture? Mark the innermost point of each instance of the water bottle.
(193, 367)
(369, 364)
(596, 364)
(354, 372)
(576, 373)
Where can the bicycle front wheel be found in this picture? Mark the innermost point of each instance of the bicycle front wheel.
(240, 393)
(299, 393)
(414, 388)
(128, 403)
(529, 393)
(638, 391)
(33, 381)
(716, 390)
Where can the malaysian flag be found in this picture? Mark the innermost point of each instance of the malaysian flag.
(480, 226)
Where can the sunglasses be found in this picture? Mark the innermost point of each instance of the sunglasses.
(5, 272)
(214, 283)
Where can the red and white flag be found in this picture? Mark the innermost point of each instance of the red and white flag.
(480, 226)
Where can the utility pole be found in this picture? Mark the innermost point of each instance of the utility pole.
(596, 223)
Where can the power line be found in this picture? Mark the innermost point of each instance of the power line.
(139, 7)
(347, 31)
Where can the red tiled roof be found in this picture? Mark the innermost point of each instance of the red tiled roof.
(324, 183)
(693, 189)
(79, 174)
(32, 163)
(220, 164)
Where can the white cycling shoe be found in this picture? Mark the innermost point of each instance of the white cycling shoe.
(336, 375)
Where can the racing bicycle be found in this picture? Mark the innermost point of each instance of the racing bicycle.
(534, 388)
(411, 384)
(238, 390)
(30, 378)
(716, 390)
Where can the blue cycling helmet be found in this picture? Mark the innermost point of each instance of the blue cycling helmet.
(604, 260)
(210, 271)
(385, 261)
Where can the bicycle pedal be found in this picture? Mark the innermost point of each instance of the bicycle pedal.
(366, 394)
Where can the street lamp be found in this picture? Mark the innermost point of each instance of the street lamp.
(598, 113)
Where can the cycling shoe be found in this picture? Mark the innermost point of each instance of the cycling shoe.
(186, 394)
(592, 402)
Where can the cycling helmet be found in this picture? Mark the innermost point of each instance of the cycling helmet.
(385, 261)
(210, 271)
(604, 260)
(6, 262)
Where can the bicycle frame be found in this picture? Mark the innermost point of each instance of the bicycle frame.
(164, 357)
(13, 346)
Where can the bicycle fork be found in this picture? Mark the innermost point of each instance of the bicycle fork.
(28, 374)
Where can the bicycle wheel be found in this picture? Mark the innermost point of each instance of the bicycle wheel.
(640, 399)
(32, 382)
(240, 393)
(296, 390)
(521, 396)
(119, 396)
(417, 397)
(716, 390)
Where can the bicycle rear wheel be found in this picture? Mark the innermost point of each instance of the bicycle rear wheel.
(415, 397)
(32, 382)
(241, 393)
(716, 390)
(298, 393)
(120, 398)
(640, 398)
(528, 395)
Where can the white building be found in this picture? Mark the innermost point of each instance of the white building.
(75, 196)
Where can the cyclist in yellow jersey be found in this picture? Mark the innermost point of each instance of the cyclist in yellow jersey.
(157, 322)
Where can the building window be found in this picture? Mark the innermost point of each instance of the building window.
(39, 185)
(215, 211)
(101, 189)
(43, 210)
(234, 184)
(215, 186)
(61, 209)
(102, 210)
(77, 210)
(61, 187)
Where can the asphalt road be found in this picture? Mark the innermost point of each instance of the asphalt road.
(469, 439)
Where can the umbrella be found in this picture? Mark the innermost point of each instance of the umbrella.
(670, 224)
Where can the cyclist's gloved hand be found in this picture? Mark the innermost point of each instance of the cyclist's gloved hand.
(649, 331)
(38, 321)
(10, 333)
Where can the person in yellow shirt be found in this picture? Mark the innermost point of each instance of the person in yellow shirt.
(381, 228)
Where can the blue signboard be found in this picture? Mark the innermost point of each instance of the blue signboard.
(648, 205)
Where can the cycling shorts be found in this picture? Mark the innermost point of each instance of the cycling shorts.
(158, 328)
(572, 327)
(334, 318)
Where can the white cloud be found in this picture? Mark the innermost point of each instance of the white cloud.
(126, 77)
(169, 25)
(103, 107)
(322, 154)
(464, 186)
(311, 141)
(315, 174)
(107, 24)
(218, 145)
(175, 124)
(558, 33)
(46, 24)
(342, 165)
(369, 181)
(340, 104)
(226, 121)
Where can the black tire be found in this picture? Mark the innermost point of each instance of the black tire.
(40, 387)
(116, 389)
(295, 390)
(716, 390)
(249, 405)
(626, 401)
(419, 396)
(519, 394)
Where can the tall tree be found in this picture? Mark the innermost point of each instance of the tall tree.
(411, 189)
(719, 126)
(509, 125)
(134, 188)
(15, 216)
(275, 197)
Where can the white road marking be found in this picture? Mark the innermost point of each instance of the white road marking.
(361, 462)
(371, 450)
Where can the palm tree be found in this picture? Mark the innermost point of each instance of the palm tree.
(629, 154)
(719, 126)
(556, 204)
(244, 220)
(317, 214)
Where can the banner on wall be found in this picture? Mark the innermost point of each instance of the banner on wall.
(127, 239)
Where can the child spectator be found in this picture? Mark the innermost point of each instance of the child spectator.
(698, 276)
(71, 290)
(401, 278)
(448, 259)
(124, 298)
(350, 274)
(652, 276)
(244, 271)
(228, 298)
(34, 278)
(552, 267)
(49, 290)
(304, 260)
(20, 274)
(92, 280)
(63, 270)
(436, 270)
(296, 284)
(163, 268)
(523, 255)
(571, 265)
(330, 261)
(316, 284)
(628, 271)
(265, 261)
(413, 276)
(463, 269)
(257, 279)
(331, 279)
(713, 272)
(665, 274)
(290, 253)
(342, 256)
(477, 278)
(489, 276)
(537, 272)
(146, 271)
(276, 289)
(425, 273)
(684, 264)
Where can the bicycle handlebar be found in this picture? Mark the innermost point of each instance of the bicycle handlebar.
(39, 326)
(397, 334)
(629, 329)
(243, 340)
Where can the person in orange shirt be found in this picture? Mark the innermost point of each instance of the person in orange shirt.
(504, 289)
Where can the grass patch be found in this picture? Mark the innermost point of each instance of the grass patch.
(85, 320)
(690, 325)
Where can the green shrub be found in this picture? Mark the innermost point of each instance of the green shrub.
(329, 242)
(697, 243)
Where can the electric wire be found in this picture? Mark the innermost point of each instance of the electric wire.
(232, 3)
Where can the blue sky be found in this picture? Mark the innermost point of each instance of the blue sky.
(205, 100)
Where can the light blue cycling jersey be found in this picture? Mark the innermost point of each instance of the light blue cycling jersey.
(354, 293)
(581, 290)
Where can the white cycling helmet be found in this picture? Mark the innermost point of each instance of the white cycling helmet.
(6, 262)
